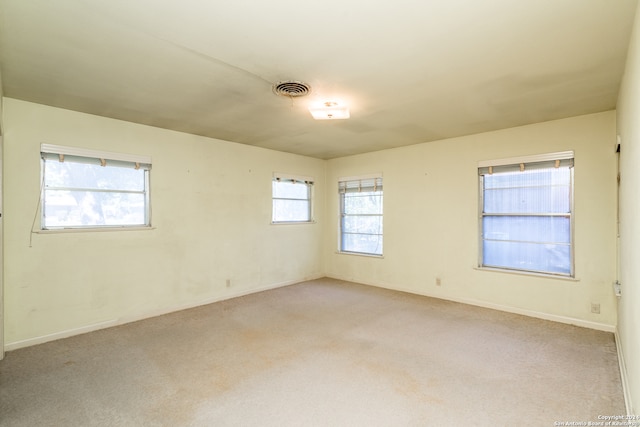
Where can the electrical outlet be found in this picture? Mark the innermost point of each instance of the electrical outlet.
(438, 281)
(228, 283)
(595, 308)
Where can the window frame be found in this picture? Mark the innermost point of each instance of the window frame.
(302, 180)
(521, 163)
(373, 181)
(49, 152)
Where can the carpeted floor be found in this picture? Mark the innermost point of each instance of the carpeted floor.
(319, 353)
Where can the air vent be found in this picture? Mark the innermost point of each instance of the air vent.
(291, 88)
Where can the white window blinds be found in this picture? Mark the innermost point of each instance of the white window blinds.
(357, 185)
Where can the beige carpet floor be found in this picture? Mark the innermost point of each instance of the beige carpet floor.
(319, 353)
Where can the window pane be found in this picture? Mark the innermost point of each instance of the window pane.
(291, 201)
(290, 190)
(361, 243)
(535, 191)
(528, 241)
(528, 200)
(290, 210)
(89, 208)
(529, 178)
(361, 211)
(362, 224)
(81, 175)
(527, 228)
(363, 203)
(549, 258)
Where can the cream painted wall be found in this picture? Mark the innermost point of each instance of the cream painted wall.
(629, 305)
(431, 221)
(1, 99)
(1, 239)
(211, 203)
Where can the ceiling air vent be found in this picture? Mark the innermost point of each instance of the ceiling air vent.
(291, 88)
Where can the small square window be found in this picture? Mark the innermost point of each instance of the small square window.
(291, 199)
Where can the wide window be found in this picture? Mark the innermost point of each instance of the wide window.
(526, 214)
(90, 189)
(361, 215)
(291, 198)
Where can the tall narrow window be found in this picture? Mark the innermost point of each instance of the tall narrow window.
(361, 215)
(90, 189)
(526, 214)
(291, 199)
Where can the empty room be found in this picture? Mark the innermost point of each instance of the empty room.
(319, 213)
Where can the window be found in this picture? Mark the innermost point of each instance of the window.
(90, 189)
(361, 215)
(526, 214)
(291, 199)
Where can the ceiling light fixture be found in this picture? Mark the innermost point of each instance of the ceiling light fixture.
(329, 110)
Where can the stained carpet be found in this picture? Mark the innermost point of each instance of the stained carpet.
(319, 353)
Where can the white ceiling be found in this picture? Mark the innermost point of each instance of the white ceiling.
(411, 71)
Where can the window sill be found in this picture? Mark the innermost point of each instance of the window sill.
(91, 230)
(360, 254)
(528, 273)
(292, 222)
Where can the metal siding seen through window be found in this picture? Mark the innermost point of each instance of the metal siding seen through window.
(291, 199)
(526, 217)
(361, 202)
(93, 192)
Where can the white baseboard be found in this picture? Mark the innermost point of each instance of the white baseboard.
(623, 375)
(217, 298)
(531, 313)
(146, 315)
(59, 335)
